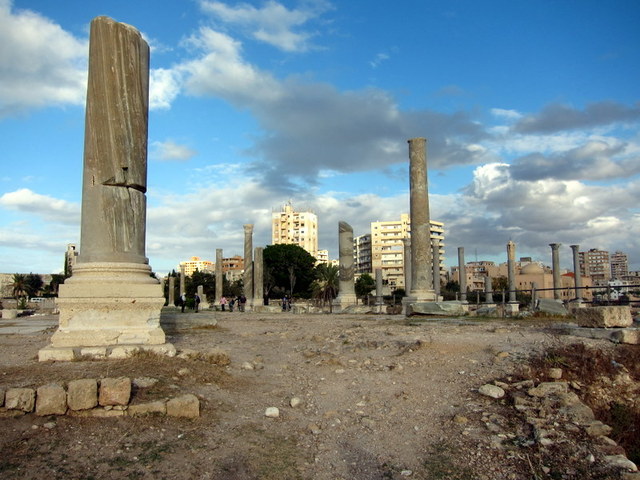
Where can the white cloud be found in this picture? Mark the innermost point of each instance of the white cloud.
(49, 208)
(378, 59)
(171, 151)
(273, 23)
(40, 63)
(506, 114)
(164, 87)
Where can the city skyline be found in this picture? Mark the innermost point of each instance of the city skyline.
(531, 113)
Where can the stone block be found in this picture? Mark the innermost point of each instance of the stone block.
(82, 394)
(9, 313)
(548, 388)
(50, 354)
(158, 406)
(186, 405)
(94, 352)
(630, 336)
(20, 399)
(114, 391)
(552, 307)
(51, 400)
(604, 317)
(441, 309)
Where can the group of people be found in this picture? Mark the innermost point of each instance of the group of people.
(240, 301)
(183, 302)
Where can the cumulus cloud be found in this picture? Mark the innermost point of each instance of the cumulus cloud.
(171, 151)
(40, 63)
(164, 86)
(273, 23)
(49, 208)
(558, 117)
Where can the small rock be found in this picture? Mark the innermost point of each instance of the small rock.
(406, 473)
(555, 373)
(492, 391)
(621, 462)
(502, 354)
(246, 366)
(295, 402)
(183, 372)
(460, 419)
(272, 412)
(145, 382)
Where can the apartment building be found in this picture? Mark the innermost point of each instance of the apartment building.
(387, 248)
(196, 264)
(619, 266)
(595, 264)
(299, 228)
(362, 254)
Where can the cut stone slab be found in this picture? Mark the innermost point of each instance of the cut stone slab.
(604, 317)
(629, 336)
(447, 309)
(186, 405)
(552, 307)
(20, 399)
(114, 391)
(158, 406)
(9, 313)
(51, 400)
(82, 394)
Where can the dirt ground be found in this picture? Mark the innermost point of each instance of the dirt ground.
(382, 398)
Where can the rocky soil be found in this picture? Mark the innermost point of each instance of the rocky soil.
(357, 397)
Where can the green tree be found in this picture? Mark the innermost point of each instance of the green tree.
(288, 268)
(34, 284)
(325, 286)
(364, 285)
(19, 285)
(208, 282)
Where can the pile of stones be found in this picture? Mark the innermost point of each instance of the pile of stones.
(554, 414)
(108, 397)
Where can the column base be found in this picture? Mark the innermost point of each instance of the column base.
(108, 310)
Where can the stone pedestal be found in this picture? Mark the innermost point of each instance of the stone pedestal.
(108, 310)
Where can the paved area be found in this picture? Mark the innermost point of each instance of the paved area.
(27, 325)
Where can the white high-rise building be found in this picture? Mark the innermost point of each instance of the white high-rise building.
(298, 228)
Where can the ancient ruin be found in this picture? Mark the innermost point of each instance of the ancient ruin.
(111, 305)
(347, 294)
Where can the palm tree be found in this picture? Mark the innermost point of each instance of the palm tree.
(325, 287)
(19, 285)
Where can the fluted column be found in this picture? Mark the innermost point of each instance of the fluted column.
(555, 265)
(172, 291)
(182, 280)
(219, 279)
(347, 293)
(258, 276)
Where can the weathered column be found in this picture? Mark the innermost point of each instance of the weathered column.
(111, 305)
(183, 280)
(435, 255)
(258, 276)
(248, 263)
(555, 265)
(421, 261)
(204, 303)
(172, 291)
(379, 299)
(407, 264)
(512, 305)
(576, 272)
(219, 279)
(488, 291)
(346, 293)
(462, 275)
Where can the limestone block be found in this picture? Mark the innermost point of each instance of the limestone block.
(82, 394)
(114, 391)
(20, 399)
(9, 313)
(158, 406)
(449, 309)
(186, 405)
(630, 336)
(94, 352)
(548, 388)
(51, 400)
(52, 354)
(603, 317)
(98, 412)
(551, 306)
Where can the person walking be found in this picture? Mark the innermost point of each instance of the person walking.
(223, 303)
(183, 301)
(196, 303)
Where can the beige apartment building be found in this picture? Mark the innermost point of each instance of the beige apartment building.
(387, 249)
(299, 228)
(595, 264)
(196, 264)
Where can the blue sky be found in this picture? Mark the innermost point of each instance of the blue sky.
(531, 112)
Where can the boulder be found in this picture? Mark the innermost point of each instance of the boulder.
(20, 399)
(51, 400)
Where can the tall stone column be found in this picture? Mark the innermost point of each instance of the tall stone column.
(219, 279)
(488, 291)
(435, 255)
(576, 272)
(555, 265)
(407, 264)
(258, 276)
(462, 275)
(379, 296)
(248, 263)
(111, 305)
(183, 280)
(172, 291)
(421, 266)
(512, 305)
(347, 292)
